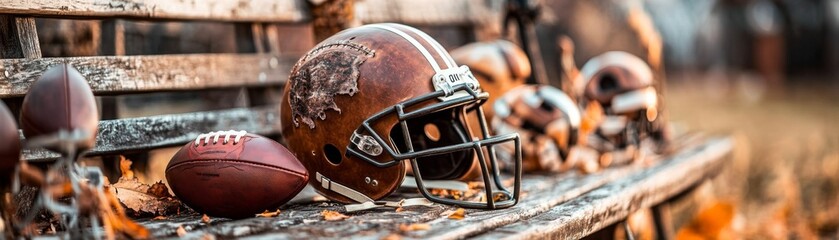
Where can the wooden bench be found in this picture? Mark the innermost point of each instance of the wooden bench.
(568, 205)
(563, 206)
(256, 21)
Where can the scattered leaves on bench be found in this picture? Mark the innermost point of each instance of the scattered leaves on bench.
(333, 215)
(458, 214)
(268, 214)
(414, 227)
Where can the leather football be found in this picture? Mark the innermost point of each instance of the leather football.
(10, 149)
(233, 174)
(60, 100)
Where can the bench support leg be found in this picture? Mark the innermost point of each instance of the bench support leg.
(663, 221)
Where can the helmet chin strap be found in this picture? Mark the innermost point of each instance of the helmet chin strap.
(341, 189)
(366, 202)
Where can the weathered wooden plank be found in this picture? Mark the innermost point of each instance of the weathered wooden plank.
(542, 193)
(213, 10)
(304, 221)
(109, 75)
(615, 201)
(428, 12)
(137, 134)
(19, 38)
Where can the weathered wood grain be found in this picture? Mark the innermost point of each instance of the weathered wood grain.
(19, 37)
(108, 75)
(615, 201)
(212, 10)
(543, 193)
(138, 134)
(428, 12)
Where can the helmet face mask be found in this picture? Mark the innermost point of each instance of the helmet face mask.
(407, 105)
(454, 152)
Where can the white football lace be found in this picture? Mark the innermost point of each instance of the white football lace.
(215, 136)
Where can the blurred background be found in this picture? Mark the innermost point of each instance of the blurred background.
(763, 71)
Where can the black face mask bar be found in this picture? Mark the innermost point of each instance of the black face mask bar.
(364, 147)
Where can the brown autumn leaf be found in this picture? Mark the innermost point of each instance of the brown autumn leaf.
(333, 215)
(208, 237)
(138, 200)
(713, 222)
(458, 214)
(267, 214)
(159, 189)
(392, 236)
(414, 227)
(445, 193)
(181, 231)
(205, 219)
(400, 209)
(125, 167)
(159, 218)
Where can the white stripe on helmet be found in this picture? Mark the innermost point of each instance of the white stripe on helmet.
(413, 41)
(436, 45)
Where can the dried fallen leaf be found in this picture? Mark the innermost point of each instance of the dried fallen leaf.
(445, 193)
(135, 196)
(125, 167)
(181, 231)
(710, 223)
(267, 214)
(414, 227)
(333, 215)
(475, 184)
(392, 236)
(400, 209)
(458, 214)
(159, 189)
(160, 218)
(205, 219)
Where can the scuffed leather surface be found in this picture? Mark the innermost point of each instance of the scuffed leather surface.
(235, 180)
(60, 99)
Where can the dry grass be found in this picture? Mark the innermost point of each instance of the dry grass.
(784, 175)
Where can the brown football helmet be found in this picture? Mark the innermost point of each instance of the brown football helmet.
(368, 100)
(548, 121)
(498, 65)
(620, 84)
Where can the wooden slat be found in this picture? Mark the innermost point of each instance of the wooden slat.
(120, 74)
(19, 38)
(542, 193)
(137, 134)
(615, 201)
(213, 10)
(428, 12)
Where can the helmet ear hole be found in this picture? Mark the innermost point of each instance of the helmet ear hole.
(607, 83)
(332, 154)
